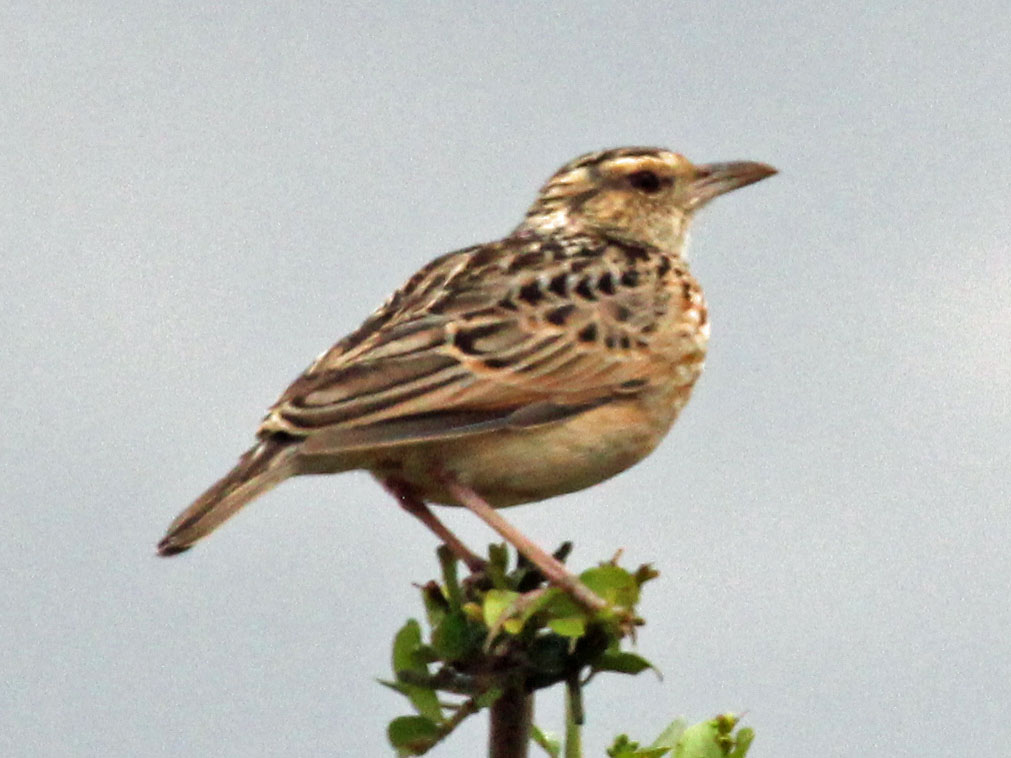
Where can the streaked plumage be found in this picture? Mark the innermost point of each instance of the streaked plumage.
(525, 368)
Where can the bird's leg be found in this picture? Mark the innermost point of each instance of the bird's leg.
(414, 505)
(553, 569)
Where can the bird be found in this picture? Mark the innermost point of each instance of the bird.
(512, 371)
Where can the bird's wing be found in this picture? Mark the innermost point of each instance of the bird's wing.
(513, 334)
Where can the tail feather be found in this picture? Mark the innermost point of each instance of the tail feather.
(259, 469)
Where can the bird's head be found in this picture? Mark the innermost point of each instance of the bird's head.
(637, 194)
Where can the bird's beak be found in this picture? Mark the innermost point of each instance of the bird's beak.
(714, 179)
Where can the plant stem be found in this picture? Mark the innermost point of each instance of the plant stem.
(573, 719)
(511, 717)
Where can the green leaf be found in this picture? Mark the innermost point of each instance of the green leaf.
(454, 637)
(498, 560)
(406, 649)
(743, 738)
(473, 611)
(425, 654)
(613, 584)
(436, 605)
(622, 662)
(623, 747)
(411, 735)
(559, 604)
(671, 734)
(550, 742)
(400, 687)
(698, 741)
(513, 626)
(573, 627)
(425, 701)
(449, 576)
(540, 603)
(497, 602)
(708, 739)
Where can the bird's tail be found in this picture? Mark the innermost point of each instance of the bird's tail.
(260, 468)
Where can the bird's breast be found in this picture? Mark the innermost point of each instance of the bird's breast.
(510, 467)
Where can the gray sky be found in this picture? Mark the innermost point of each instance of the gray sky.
(194, 202)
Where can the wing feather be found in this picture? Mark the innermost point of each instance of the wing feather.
(475, 342)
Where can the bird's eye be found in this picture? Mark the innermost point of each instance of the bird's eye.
(645, 181)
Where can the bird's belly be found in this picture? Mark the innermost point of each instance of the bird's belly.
(512, 467)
